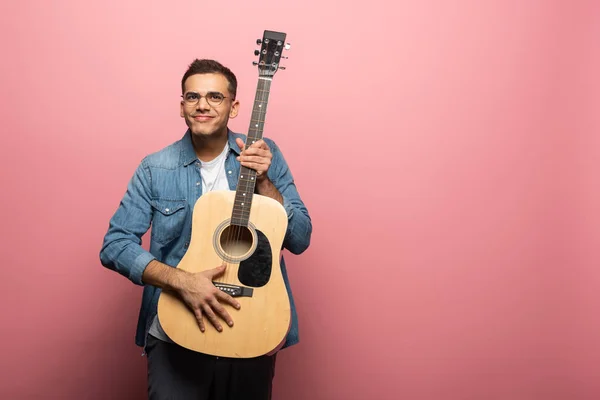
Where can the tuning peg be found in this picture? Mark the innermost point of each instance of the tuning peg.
(256, 52)
(287, 46)
(254, 62)
(258, 41)
(281, 67)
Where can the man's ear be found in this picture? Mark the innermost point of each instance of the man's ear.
(235, 108)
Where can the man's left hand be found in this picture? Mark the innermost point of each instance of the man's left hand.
(257, 157)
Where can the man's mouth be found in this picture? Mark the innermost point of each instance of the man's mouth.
(202, 117)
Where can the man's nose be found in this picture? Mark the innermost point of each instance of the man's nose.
(202, 104)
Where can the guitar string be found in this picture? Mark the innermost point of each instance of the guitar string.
(246, 185)
(237, 231)
(262, 117)
(234, 232)
(261, 109)
(233, 228)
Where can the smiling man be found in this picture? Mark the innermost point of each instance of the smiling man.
(162, 193)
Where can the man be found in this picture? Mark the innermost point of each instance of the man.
(163, 192)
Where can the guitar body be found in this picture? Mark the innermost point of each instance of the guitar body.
(253, 276)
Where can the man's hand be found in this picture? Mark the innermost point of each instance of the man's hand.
(202, 297)
(257, 157)
(195, 289)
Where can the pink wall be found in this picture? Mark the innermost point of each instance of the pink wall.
(446, 151)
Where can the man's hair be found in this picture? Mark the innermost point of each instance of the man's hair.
(204, 66)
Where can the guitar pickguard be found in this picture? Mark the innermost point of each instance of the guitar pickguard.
(255, 271)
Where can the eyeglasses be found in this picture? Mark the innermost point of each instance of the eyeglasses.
(213, 98)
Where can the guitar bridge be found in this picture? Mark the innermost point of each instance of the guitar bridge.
(234, 290)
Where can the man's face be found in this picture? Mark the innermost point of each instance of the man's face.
(213, 104)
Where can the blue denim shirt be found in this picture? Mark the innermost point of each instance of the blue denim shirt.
(162, 193)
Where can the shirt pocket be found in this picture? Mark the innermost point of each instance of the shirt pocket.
(168, 219)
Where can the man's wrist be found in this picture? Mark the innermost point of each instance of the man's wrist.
(164, 276)
(177, 279)
(263, 183)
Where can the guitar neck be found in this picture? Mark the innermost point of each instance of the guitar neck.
(247, 178)
(259, 110)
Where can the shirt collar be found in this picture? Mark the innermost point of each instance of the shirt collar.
(188, 154)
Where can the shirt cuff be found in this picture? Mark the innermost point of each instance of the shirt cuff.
(139, 265)
(288, 207)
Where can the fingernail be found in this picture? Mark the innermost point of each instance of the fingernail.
(230, 323)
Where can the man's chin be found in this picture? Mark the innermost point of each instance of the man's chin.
(201, 132)
(204, 133)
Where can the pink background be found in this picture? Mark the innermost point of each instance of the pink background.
(447, 152)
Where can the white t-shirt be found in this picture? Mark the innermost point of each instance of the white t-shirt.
(213, 178)
(213, 173)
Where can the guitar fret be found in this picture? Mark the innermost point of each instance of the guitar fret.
(242, 203)
(239, 222)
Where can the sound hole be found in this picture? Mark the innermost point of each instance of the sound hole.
(236, 240)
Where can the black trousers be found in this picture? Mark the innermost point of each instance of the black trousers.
(176, 373)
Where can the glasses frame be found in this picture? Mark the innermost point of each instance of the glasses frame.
(186, 102)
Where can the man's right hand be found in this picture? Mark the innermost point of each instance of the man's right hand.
(202, 297)
(195, 289)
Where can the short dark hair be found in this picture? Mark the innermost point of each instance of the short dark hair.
(204, 66)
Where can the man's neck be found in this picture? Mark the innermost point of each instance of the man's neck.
(207, 148)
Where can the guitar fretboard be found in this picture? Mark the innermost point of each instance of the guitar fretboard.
(247, 178)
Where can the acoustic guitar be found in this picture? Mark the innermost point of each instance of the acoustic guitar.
(246, 231)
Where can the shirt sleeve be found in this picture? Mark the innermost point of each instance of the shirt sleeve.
(299, 230)
(121, 249)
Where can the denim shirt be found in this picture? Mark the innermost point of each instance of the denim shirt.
(162, 193)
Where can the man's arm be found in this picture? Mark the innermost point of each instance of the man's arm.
(265, 187)
(122, 252)
(278, 183)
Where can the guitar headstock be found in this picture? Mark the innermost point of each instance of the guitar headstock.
(270, 54)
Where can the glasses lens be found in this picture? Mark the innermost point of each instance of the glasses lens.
(214, 98)
(191, 97)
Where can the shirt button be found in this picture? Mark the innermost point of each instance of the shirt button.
(166, 210)
(197, 183)
(229, 172)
